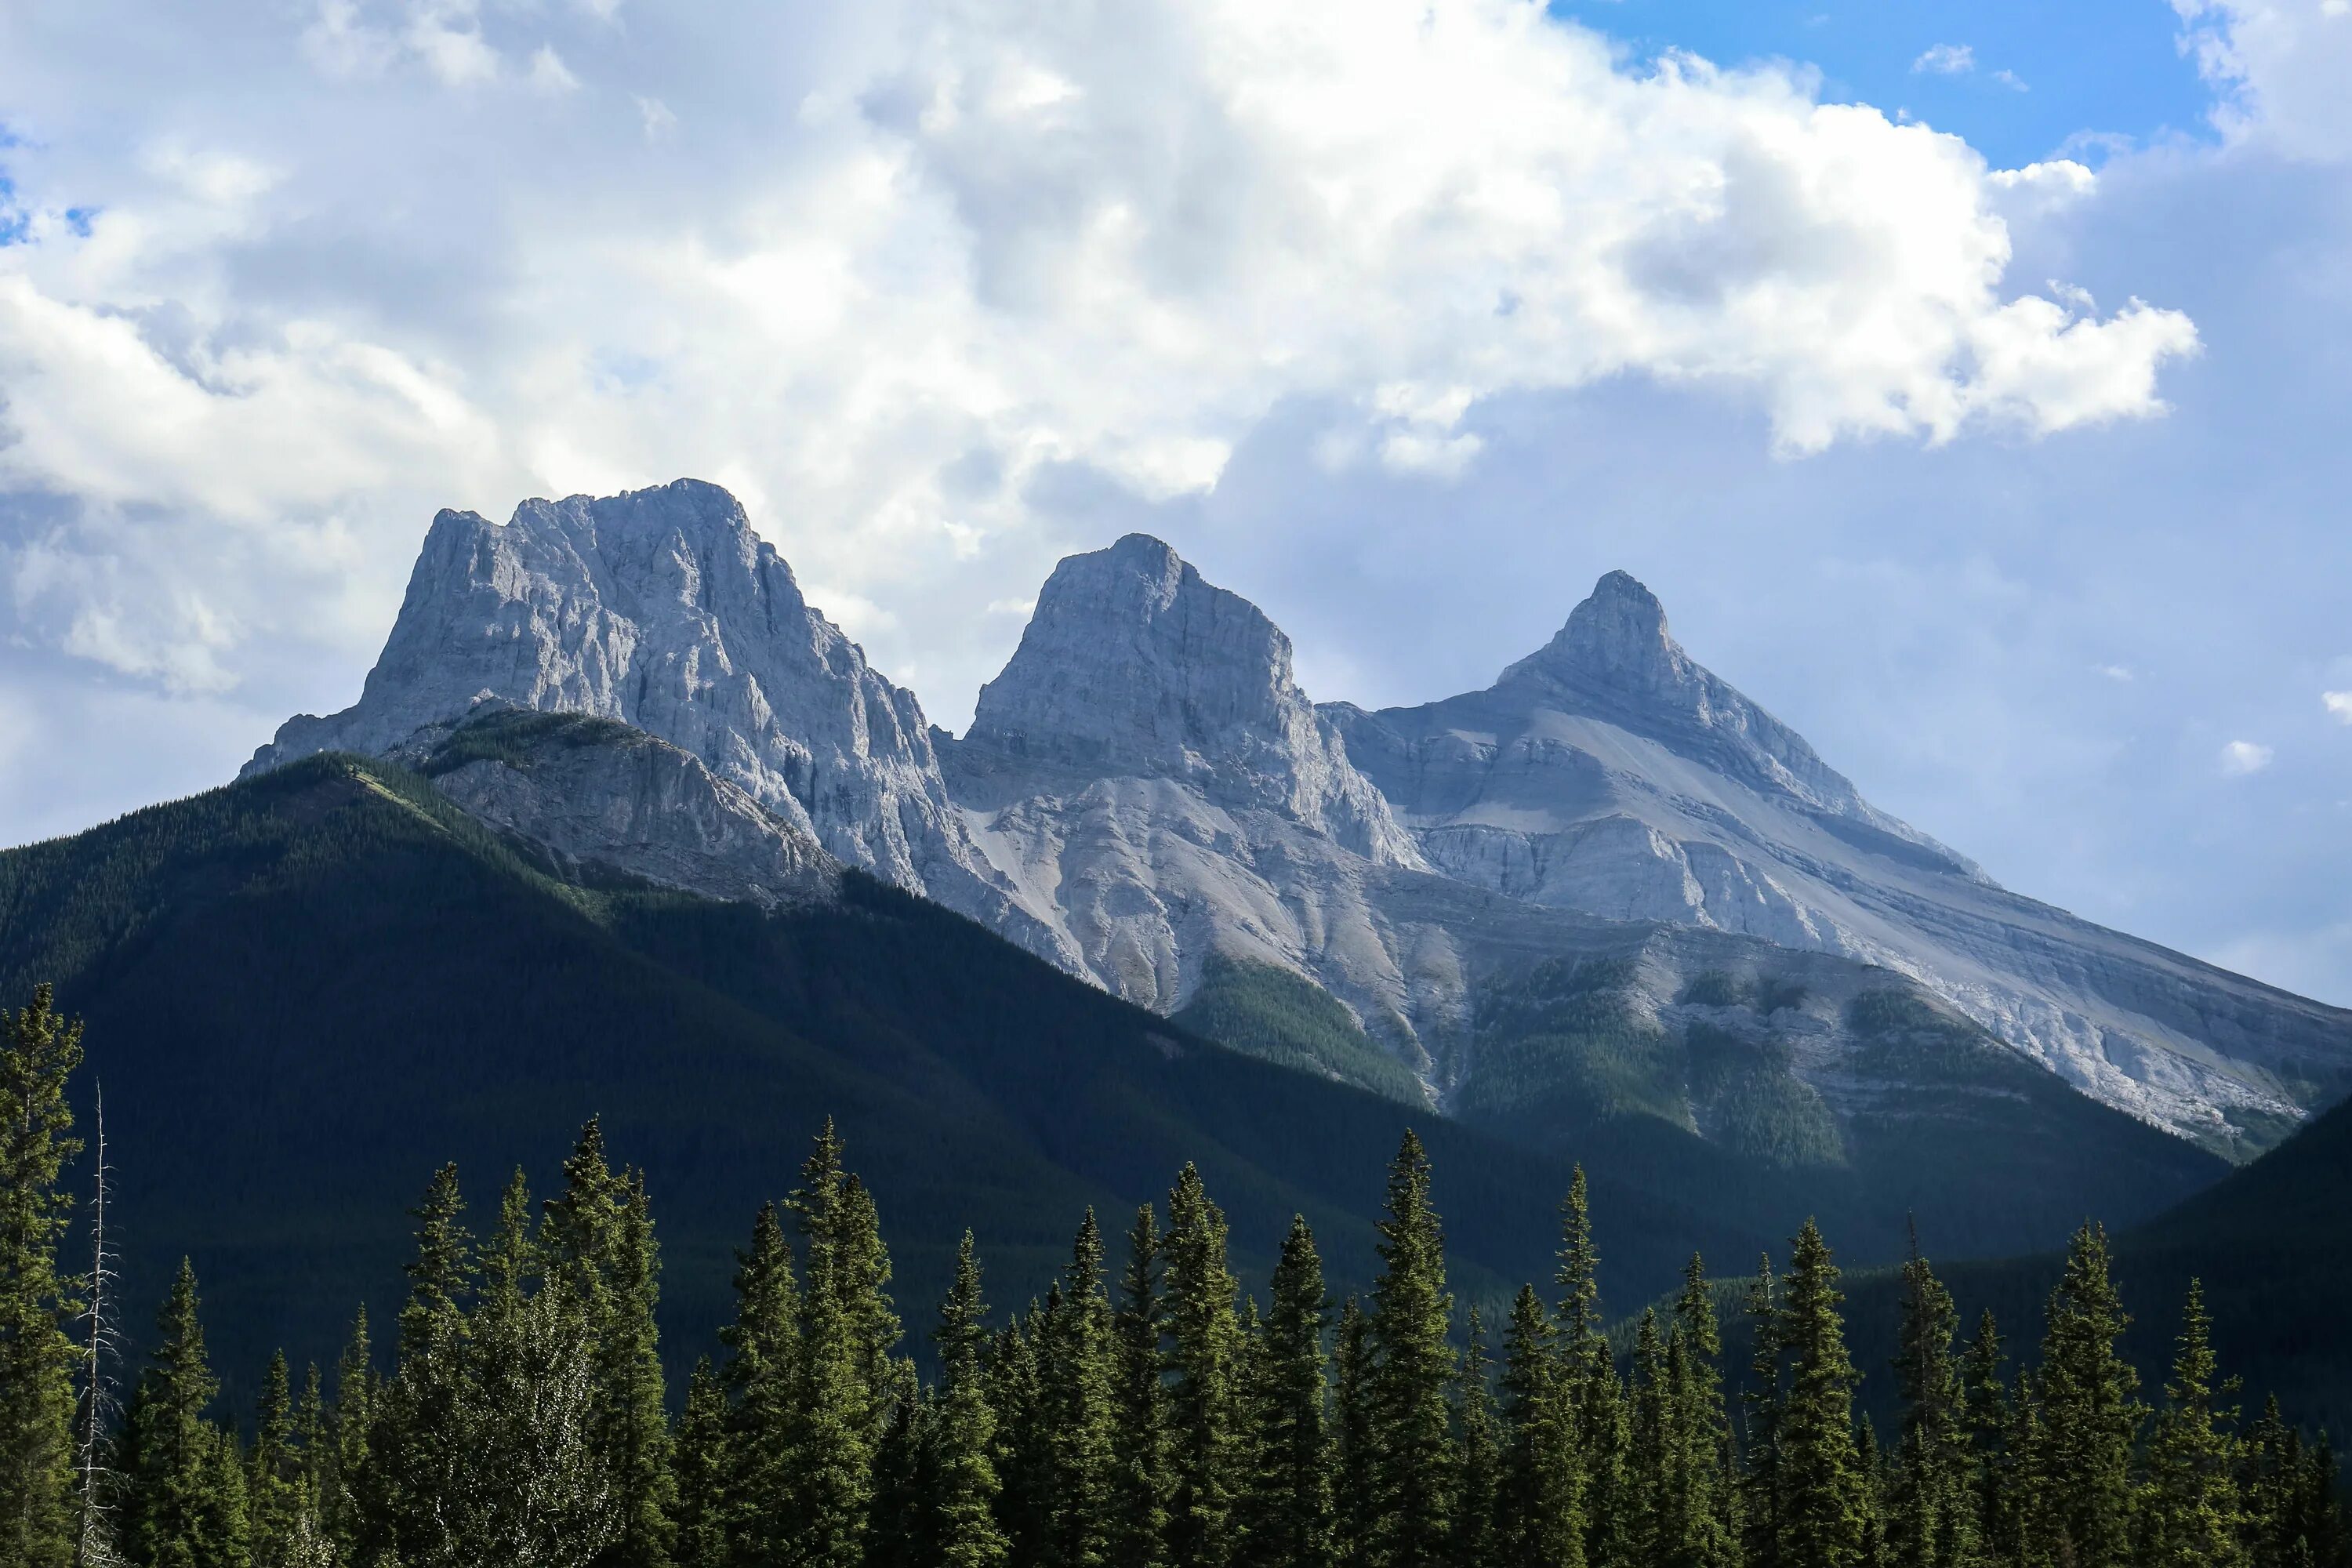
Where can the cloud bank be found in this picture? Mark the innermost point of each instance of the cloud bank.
(879, 267)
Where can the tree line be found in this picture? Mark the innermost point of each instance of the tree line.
(1146, 1412)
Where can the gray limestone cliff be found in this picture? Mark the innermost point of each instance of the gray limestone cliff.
(662, 609)
(1611, 773)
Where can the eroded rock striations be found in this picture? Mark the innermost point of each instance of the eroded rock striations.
(662, 609)
(1609, 772)
(1145, 794)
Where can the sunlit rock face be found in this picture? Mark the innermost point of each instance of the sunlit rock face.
(1145, 791)
(663, 610)
(1609, 772)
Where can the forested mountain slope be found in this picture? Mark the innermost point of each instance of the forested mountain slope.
(308, 990)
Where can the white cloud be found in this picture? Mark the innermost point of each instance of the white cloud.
(1947, 59)
(2282, 66)
(657, 118)
(2012, 80)
(2338, 705)
(2241, 758)
(549, 74)
(1043, 238)
(2121, 673)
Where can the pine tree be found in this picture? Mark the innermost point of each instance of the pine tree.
(1870, 1470)
(2269, 1470)
(275, 1499)
(1479, 1454)
(2091, 1418)
(1931, 1515)
(187, 1497)
(1985, 1417)
(900, 1533)
(1540, 1511)
(599, 1241)
(39, 1052)
(1699, 1524)
(1141, 1483)
(1588, 1388)
(420, 1451)
(847, 1329)
(353, 1426)
(762, 1352)
(1204, 1342)
(964, 1532)
(1076, 1378)
(1413, 1368)
(2192, 1516)
(1763, 1487)
(1355, 1441)
(1649, 1469)
(1025, 1504)
(1290, 1515)
(701, 1470)
(1824, 1493)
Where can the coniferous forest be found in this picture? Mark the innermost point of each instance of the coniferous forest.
(1145, 1412)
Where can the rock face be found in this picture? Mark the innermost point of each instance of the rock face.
(1145, 792)
(599, 799)
(1148, 776)
(1609, 773)
(661, 610)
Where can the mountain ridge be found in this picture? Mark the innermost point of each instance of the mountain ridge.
(1145, 792)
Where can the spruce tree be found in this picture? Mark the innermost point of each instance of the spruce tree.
(964, 1531)
(2091, 1416)
(701, 1471)
(1478, 1458)
(187, 1494)
(351, 1436)
(1588, 1388)
(1140, 1436)
(1763, 1489)
(1650, 1462)
(1986, 1416)
(847, 1329)
(1024, 1505)
(2193, 1515)
(1932, 1501)
(763, 1354)
(900, 1534)
(599, 1242)
(1205, 1344)
(1355, 1441)
(276, 1496)
(1824, 1497)
(1540, 1511)
(1413, 1369)
(39, 1052)
(1700, 1520)
(1290, 1515)
(1076, 1376)
(420, 1450)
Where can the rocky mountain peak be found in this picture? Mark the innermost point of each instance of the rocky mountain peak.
(663, 610)
(1616, 638)
(1134, 665)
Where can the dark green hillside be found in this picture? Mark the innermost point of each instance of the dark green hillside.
(1868, 1116)
(305, 991)
(2273, 1244)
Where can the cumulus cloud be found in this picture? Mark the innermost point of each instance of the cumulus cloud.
(2241, 758)
(2282, 66)
(2338, 705)
(1947, 59)
(974, 243)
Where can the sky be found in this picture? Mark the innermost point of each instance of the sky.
(1970, 381)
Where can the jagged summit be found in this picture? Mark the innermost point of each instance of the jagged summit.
(662, 609)
(1618, 634)
(1134, 666)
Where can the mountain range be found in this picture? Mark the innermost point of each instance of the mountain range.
(1146, 798)
(621, 825)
